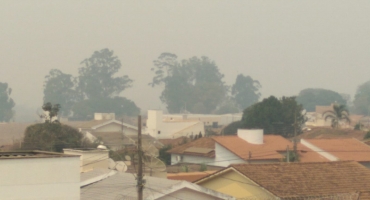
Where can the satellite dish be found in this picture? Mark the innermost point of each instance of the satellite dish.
(127, 157)
(153, 165)
(102, 147)
(111, 164)
(121, 166)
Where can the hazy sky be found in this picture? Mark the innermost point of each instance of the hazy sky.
(286, 45)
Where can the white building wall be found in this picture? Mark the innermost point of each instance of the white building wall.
(40, 178)
(89, 160)
(224, 157)
(191, 159)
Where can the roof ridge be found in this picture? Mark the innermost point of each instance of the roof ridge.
(296, 163)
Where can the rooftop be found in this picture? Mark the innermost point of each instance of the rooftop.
(204, 142)
(344, 148)
(293, 180)
(189, 176)
(32, 154)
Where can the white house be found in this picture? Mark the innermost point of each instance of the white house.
(208, 120)
(159, 128)
(39, 175)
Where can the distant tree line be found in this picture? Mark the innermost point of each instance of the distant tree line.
(95, 89)
(196, 85)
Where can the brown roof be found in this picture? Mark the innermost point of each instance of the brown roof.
(288, 180)
(267, 150)
(173, 142)
(344, 148)
(204, 142)
(189, 176)
(273, 148)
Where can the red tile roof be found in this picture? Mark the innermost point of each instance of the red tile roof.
(297, 180)
(344, 148)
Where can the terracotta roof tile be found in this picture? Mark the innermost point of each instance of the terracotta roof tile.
(189, 176)
(288, 180)
(344, 148)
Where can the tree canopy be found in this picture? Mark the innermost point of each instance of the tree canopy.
(312, 97)
(339, 114)
(245, 91)
(275, 116)
(194, 84)
(97, 76)
(96, 89)
(6, 103)
(51, 135)
(361, 103)
(59, 88)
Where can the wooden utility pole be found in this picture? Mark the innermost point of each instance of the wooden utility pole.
(140, 185)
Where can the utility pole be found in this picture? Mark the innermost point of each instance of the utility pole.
(140, 184)
(287, 153)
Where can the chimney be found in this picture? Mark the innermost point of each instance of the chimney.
(253, 136)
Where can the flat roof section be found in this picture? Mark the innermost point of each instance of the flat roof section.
(32, 154)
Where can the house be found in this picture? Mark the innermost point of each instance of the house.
(320, 180)
(123, 186)
(248, 146)
(340, 149)
(39, 175)
(162, 129)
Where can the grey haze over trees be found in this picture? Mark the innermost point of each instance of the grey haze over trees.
(339, 114)
(361, 102)
(245, 91)
(6, 103)
(194, 85)
(312, 97)
(59, 88)
(274, 116)
(96, 89)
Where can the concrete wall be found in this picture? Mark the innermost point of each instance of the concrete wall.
(89, 160)
(224, 157)
(186, 193)
(40, 178)
(236, 185)
(207, 120)
(194, 130)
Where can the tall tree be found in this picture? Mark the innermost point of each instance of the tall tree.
(194, 85)
(59, 88)
(312, 97)
(275, 116)
(245, 91)
(51, 135)
(339, 114)
(6, 103)
(97, 76)
(361, 103)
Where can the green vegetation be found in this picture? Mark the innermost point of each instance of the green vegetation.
(203, 167)
(339, 113)
(312, 97)
(275, 116)
(164, 156)
(232, 128)
(51, 135)
(367, 136)
(361, 103)
(6, 103)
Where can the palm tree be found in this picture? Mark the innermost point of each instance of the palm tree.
(338, 114)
